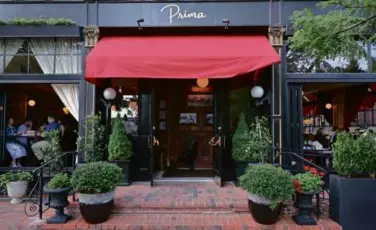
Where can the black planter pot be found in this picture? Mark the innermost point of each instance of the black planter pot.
(263, 214)
(352, 202)
(303, 202)
(125, 166)
(95, 210)
(58, 200)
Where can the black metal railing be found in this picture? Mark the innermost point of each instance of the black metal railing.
(36, 199)
(295, 161)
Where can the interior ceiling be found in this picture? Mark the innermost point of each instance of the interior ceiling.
(322, 87)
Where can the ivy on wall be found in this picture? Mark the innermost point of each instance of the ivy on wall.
(39, 22)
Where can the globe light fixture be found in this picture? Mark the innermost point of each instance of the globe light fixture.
(109, 94)
(257, 91)
(66, 110)
(31, 103)
(328, 106)
(202, 82)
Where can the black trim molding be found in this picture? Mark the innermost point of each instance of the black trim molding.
(330, 77)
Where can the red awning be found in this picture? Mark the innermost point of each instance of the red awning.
(178, 57)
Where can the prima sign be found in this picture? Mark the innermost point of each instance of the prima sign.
(175, 12)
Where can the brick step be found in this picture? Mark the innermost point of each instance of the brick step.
(177, 206)
(234, 221)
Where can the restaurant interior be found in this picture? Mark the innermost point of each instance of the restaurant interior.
(332, 108)
(30, 105)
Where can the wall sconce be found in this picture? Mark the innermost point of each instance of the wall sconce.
(31, 103)
(109, 94)
(226, 22)
(257, 91)
(139, 21)
(66, 110)
(328, 106)
(202, 82)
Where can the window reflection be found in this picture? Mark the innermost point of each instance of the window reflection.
(299, 63)
(128, 110)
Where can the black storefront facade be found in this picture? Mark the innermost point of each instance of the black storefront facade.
(98, 19)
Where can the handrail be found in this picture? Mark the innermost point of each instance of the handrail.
(52, 160)
(37, 207)
(300, 156)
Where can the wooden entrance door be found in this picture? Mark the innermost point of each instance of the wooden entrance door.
(190, 119)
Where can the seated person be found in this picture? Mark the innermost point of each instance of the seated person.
(40, 145)
(15, 150)
(22, 130)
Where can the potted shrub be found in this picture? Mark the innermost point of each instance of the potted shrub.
(95, 183)
(251, 145)
(268, 186)
(58, 189)
(94, 142)
(120, 148)
(306, 185)
(16, 183)
(352, 191)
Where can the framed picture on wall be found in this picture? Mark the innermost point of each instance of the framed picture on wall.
(162, 115)
(162, 104)
(188, 118)
(209, 118)
(163, 125)
(200, 100)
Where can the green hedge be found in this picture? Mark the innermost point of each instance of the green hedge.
(39, 22)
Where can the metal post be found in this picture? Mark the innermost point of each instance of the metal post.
(40, 193)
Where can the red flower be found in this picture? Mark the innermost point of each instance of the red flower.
(306, 168)
(322, 174)
(314, 171)
(297, 185)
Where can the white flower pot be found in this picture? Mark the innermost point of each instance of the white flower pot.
(16, 190)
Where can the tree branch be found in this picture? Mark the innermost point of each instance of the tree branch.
(373, 17)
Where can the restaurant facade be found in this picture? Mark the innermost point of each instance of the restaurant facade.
(178, 60)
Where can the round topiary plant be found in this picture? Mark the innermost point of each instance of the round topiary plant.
(96, 177)
(267, 184)
(60, 180)
(119, 146)
(352, 156)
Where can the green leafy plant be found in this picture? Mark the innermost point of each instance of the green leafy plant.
(269, 182)
(308, 182)
(60, 180)
(260, 144)
(240, 140)
(352, 156)
(2, 23)
(15, 176)
(119, 146)
(94, 142)
(53, 149)
(41, 21)
(96, 177)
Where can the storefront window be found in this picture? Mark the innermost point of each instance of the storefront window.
(40, 56)
(299, 63)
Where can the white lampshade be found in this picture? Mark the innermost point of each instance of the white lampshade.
(66, 110)
(202, 82)
(328, 106)
(257, 92)
(31, 103)
(109, 94)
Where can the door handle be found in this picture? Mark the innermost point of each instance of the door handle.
(155, 142)
(215, 141)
